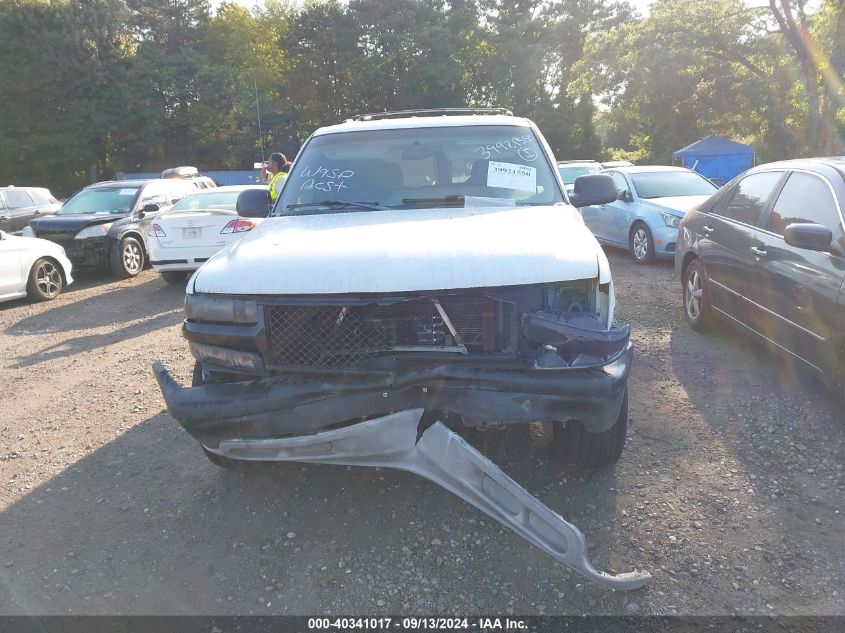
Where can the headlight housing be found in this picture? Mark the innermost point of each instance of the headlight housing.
(670, 219)
(220, 309)
(98, 230)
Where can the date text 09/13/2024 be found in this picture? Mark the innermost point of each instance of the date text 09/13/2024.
(417, 624)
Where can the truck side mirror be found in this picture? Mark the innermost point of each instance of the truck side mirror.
(594, 189)
(253, 203)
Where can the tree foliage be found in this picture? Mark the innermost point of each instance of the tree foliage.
(96, 87)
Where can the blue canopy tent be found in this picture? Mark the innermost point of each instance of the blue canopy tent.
(716, 157)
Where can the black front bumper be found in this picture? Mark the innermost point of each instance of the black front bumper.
(88, 253)
(482, 391)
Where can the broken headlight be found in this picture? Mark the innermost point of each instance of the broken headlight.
(220, 309)
(572, 297)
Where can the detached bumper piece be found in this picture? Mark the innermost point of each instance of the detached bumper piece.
(441, 456)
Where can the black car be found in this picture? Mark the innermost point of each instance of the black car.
(102, 225)
(20, 205)
(767, 253)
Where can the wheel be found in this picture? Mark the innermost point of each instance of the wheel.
(127, 260)
(641, 244)
(196, 375)
(45, 280)
(174, 276)
(697, 308)
(574, 446)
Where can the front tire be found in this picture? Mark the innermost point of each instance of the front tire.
(697, 308)
(45, 280)
(573, 445)
(641, 244)
(174, 277)
(127, 260)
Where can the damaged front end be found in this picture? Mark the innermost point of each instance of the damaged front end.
(322, 379)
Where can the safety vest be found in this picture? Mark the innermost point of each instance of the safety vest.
(271, 185)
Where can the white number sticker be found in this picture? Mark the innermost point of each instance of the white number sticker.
(512, 176)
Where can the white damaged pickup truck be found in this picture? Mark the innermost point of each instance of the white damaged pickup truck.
(419, 272)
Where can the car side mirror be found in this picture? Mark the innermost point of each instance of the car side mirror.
(2, 235)
(594, 189)
(813, 237)
(625, 196)
(253, 203)
(150, 208)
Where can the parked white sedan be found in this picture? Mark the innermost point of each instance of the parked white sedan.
(194, 229)
(32, 267)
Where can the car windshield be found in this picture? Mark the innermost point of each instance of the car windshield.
(414, 168)
(101, 200)
(664, 184)
(224, 200)
(570, 172)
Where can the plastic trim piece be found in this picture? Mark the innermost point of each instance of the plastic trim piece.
(443, 457)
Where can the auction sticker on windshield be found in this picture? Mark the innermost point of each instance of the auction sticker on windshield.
(512, 176)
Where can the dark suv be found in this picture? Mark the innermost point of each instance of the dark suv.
(102, 226)
(767, 253)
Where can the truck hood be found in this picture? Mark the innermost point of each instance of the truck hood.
(677, 204)
(69, 222)
(405, 250)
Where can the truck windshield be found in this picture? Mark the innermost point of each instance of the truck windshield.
(414, 168)
(100, 200)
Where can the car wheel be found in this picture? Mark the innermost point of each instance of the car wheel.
(574, 446)
(697, 308)
(45, 280)
(641, 244)
(127, 260)
(174, 276)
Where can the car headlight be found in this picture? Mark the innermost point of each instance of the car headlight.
(27, 231)
(670, 220)
(98, 230)
(220, 309)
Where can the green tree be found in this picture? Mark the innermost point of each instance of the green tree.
(691, 69)
(64, 68)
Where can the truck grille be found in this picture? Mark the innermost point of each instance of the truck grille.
(342, 336)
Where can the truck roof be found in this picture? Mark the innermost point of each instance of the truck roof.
(423, 122)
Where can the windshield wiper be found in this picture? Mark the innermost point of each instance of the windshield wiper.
(452, 201)
(339, 204)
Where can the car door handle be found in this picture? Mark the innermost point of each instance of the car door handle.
(707, 230)
(37, 212)
(759, 252)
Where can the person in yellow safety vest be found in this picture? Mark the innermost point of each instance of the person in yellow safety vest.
(275, 173)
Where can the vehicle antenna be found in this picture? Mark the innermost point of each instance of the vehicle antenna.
(258, 111)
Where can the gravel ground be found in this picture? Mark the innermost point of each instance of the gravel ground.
(730, 490)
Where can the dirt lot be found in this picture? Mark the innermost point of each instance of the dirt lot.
(730, 490)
